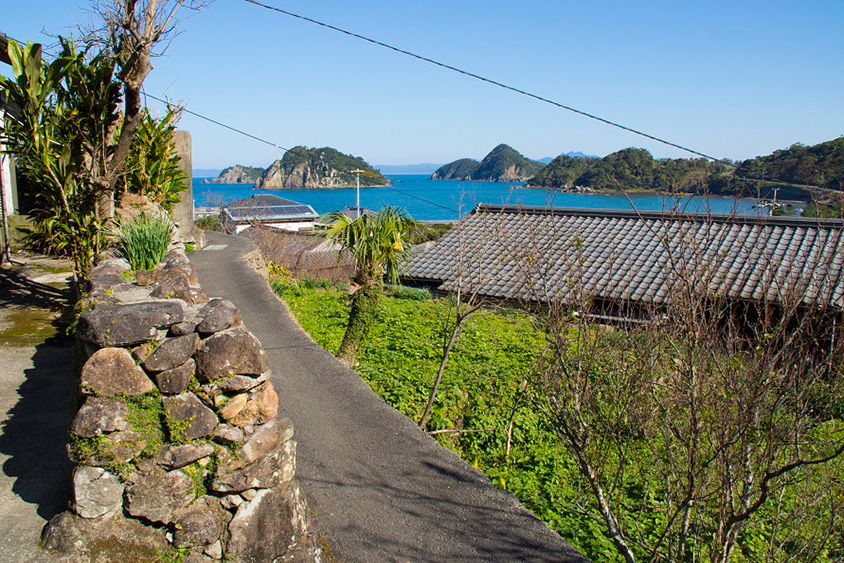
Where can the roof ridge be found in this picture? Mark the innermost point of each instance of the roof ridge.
(660, 215)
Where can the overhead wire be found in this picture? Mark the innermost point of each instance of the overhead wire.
(483, 79)
(283, 149)
(531, 95)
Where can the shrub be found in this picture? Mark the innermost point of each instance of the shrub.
(412, 293)
(144, 239)
(211, 223)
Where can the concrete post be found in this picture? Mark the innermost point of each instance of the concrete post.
(183, 211)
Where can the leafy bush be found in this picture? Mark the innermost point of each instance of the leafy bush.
(209, 224)
(482, 390)
(412, 293)
(152, 166)
(426, 232)
(144, 239)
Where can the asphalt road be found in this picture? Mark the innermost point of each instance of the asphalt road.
(381, 490)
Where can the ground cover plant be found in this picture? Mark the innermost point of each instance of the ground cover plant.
(495, 408)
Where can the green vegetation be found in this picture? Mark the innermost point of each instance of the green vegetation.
(628, 170)
(68, 162)
(817, 165)
(633, 170)
(57, 139)
(238, 174)
(209, 224)
(815, 209)
(146, 415)
(411, 293)
(488, 386)
(426, 232)
(144, 239)
(503, 163)
(377, 245)
(461, 169)
(325, 160)
(152, 166)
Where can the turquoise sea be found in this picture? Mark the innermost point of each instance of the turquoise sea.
(428, 200)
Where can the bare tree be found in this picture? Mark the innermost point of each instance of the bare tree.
(133, 31)
(716, 411)
(463, 302)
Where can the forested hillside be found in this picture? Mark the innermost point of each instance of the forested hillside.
(635, 169)
(502, 164)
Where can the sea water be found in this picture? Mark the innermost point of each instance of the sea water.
(444, 200)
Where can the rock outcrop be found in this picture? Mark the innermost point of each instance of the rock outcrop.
(181, 454)
(237, 174)
(302, 167)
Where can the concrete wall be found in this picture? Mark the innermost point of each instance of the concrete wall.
(183, 211)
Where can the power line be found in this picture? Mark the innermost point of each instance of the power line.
(423, 199)
(531, 95)
(488, 81)
(221, 124)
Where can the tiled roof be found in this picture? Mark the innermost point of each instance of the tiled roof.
(539, 254)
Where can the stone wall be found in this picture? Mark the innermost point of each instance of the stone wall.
(180, 452)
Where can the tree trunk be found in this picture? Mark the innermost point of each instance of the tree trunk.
(361, 317)
(433, 396)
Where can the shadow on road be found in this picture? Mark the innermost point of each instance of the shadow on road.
(493, 533)
(35, 430)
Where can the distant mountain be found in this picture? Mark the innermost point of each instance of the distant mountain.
(303, 167)
(502, 164)
(206, 172)
(423, 168)
(573, 154)
(237, 174)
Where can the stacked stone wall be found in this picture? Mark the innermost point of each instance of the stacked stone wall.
(180, 451)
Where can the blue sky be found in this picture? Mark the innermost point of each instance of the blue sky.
(731, 79)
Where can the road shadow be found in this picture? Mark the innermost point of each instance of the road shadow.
(18, 290)
(35, 432)
(496, 529)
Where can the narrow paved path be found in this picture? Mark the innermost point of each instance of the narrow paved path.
(381, 490)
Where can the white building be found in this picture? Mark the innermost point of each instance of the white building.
(269, 210)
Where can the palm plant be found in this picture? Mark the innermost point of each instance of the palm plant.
(376, 243)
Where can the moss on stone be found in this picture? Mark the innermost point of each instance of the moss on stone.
(147, 416)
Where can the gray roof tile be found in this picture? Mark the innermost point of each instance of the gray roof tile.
(539, 253)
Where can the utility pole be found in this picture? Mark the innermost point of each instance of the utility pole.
(357, 190)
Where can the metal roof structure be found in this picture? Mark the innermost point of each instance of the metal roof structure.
(543, 254)
(267, 208)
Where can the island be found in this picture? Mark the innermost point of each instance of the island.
(636, 170)
(303, 167)
(502, 164)
(237, 174)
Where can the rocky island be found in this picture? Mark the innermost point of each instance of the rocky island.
(303, 167)
(237, 174)
(502, 164)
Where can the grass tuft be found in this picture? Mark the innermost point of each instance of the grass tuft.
(144, 239)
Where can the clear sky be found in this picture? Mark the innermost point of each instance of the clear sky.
(733, 78)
